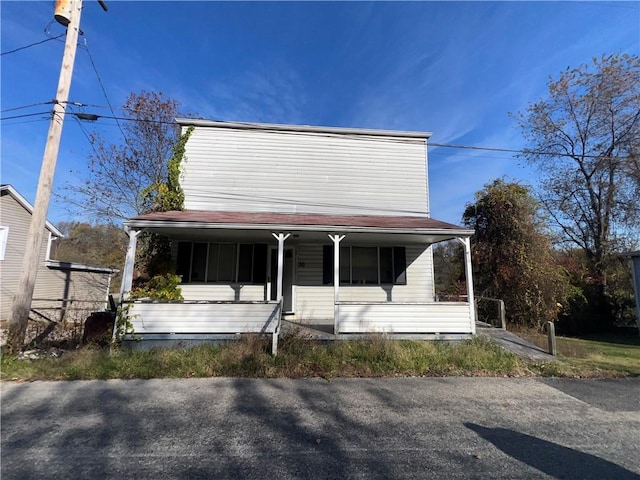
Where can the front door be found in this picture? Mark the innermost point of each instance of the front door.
(287, 278)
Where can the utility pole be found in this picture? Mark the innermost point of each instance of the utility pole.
(21, 306)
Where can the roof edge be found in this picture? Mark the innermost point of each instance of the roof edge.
(301, 128)
(79, 266)
(141, 224)
(28, 207)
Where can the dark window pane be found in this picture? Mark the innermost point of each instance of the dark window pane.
(212, 263)
(345, 265)
(400, 265)
(386, 265)
(199, 262)
(365, 265)
(245, 261)
(327, 264)
(183, 261)
(260, 263)
(227, 262)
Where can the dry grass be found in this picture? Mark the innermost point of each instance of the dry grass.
(302, 357)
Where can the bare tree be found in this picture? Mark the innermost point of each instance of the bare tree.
(115, 186)
(585, 137)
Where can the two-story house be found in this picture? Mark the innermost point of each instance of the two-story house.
(322, 225)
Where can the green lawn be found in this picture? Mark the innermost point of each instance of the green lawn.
(597, 353)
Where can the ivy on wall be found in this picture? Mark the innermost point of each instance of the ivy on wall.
(168, 196)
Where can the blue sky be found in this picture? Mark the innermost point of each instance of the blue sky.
(452, 68)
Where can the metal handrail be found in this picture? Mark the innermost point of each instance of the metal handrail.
(501, 309)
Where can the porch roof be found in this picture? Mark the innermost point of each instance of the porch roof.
(299, 222)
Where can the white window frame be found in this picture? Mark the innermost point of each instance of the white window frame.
(4, 239)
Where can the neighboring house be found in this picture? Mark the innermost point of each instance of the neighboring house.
(324, 225)
(63, 290)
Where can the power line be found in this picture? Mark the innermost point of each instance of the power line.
(26, 121)
(27, 106)
(104, 92)
(521, 152)
(113, 116)
(441, 145)
(86, 134)
(24, 115)
(128, 119)
(32, 44)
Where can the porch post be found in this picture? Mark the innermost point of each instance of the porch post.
(468, 271)
(127, 274)
(336, 278)
(281, 237)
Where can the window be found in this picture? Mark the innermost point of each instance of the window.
(221, 262)
(4, 236)
(366, 265)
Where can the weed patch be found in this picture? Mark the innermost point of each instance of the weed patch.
(299, 357)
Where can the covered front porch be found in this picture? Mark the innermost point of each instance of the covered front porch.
(246, 272)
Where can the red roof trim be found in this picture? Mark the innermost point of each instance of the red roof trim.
(302, 219)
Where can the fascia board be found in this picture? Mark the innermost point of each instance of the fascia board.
(141, 224)
(301, 128)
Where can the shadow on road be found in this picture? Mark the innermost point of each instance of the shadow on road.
(551, 458)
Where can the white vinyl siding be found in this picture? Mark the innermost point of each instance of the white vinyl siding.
(442, 317)
(315, 301)
(214, 318)
(295, 172)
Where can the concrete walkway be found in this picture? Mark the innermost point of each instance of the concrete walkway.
(514, 343)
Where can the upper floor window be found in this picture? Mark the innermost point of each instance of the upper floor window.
(199, 262)
(366, 265)
(4, 237)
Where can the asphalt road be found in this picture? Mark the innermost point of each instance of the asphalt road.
(347, 428)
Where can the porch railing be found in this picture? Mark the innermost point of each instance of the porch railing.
(207, 317)
(395, 317)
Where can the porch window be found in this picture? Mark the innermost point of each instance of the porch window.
(366, 265)
(199, 262)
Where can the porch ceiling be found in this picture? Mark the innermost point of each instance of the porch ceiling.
(303, 227)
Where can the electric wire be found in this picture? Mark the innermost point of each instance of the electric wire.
(430, 144)
(85, 133)
(27, 106)
(104, 92)
(24, 115)
(32, 44)
(26, 121)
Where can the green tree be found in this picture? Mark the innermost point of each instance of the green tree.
(512, 254)
(585, 137)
